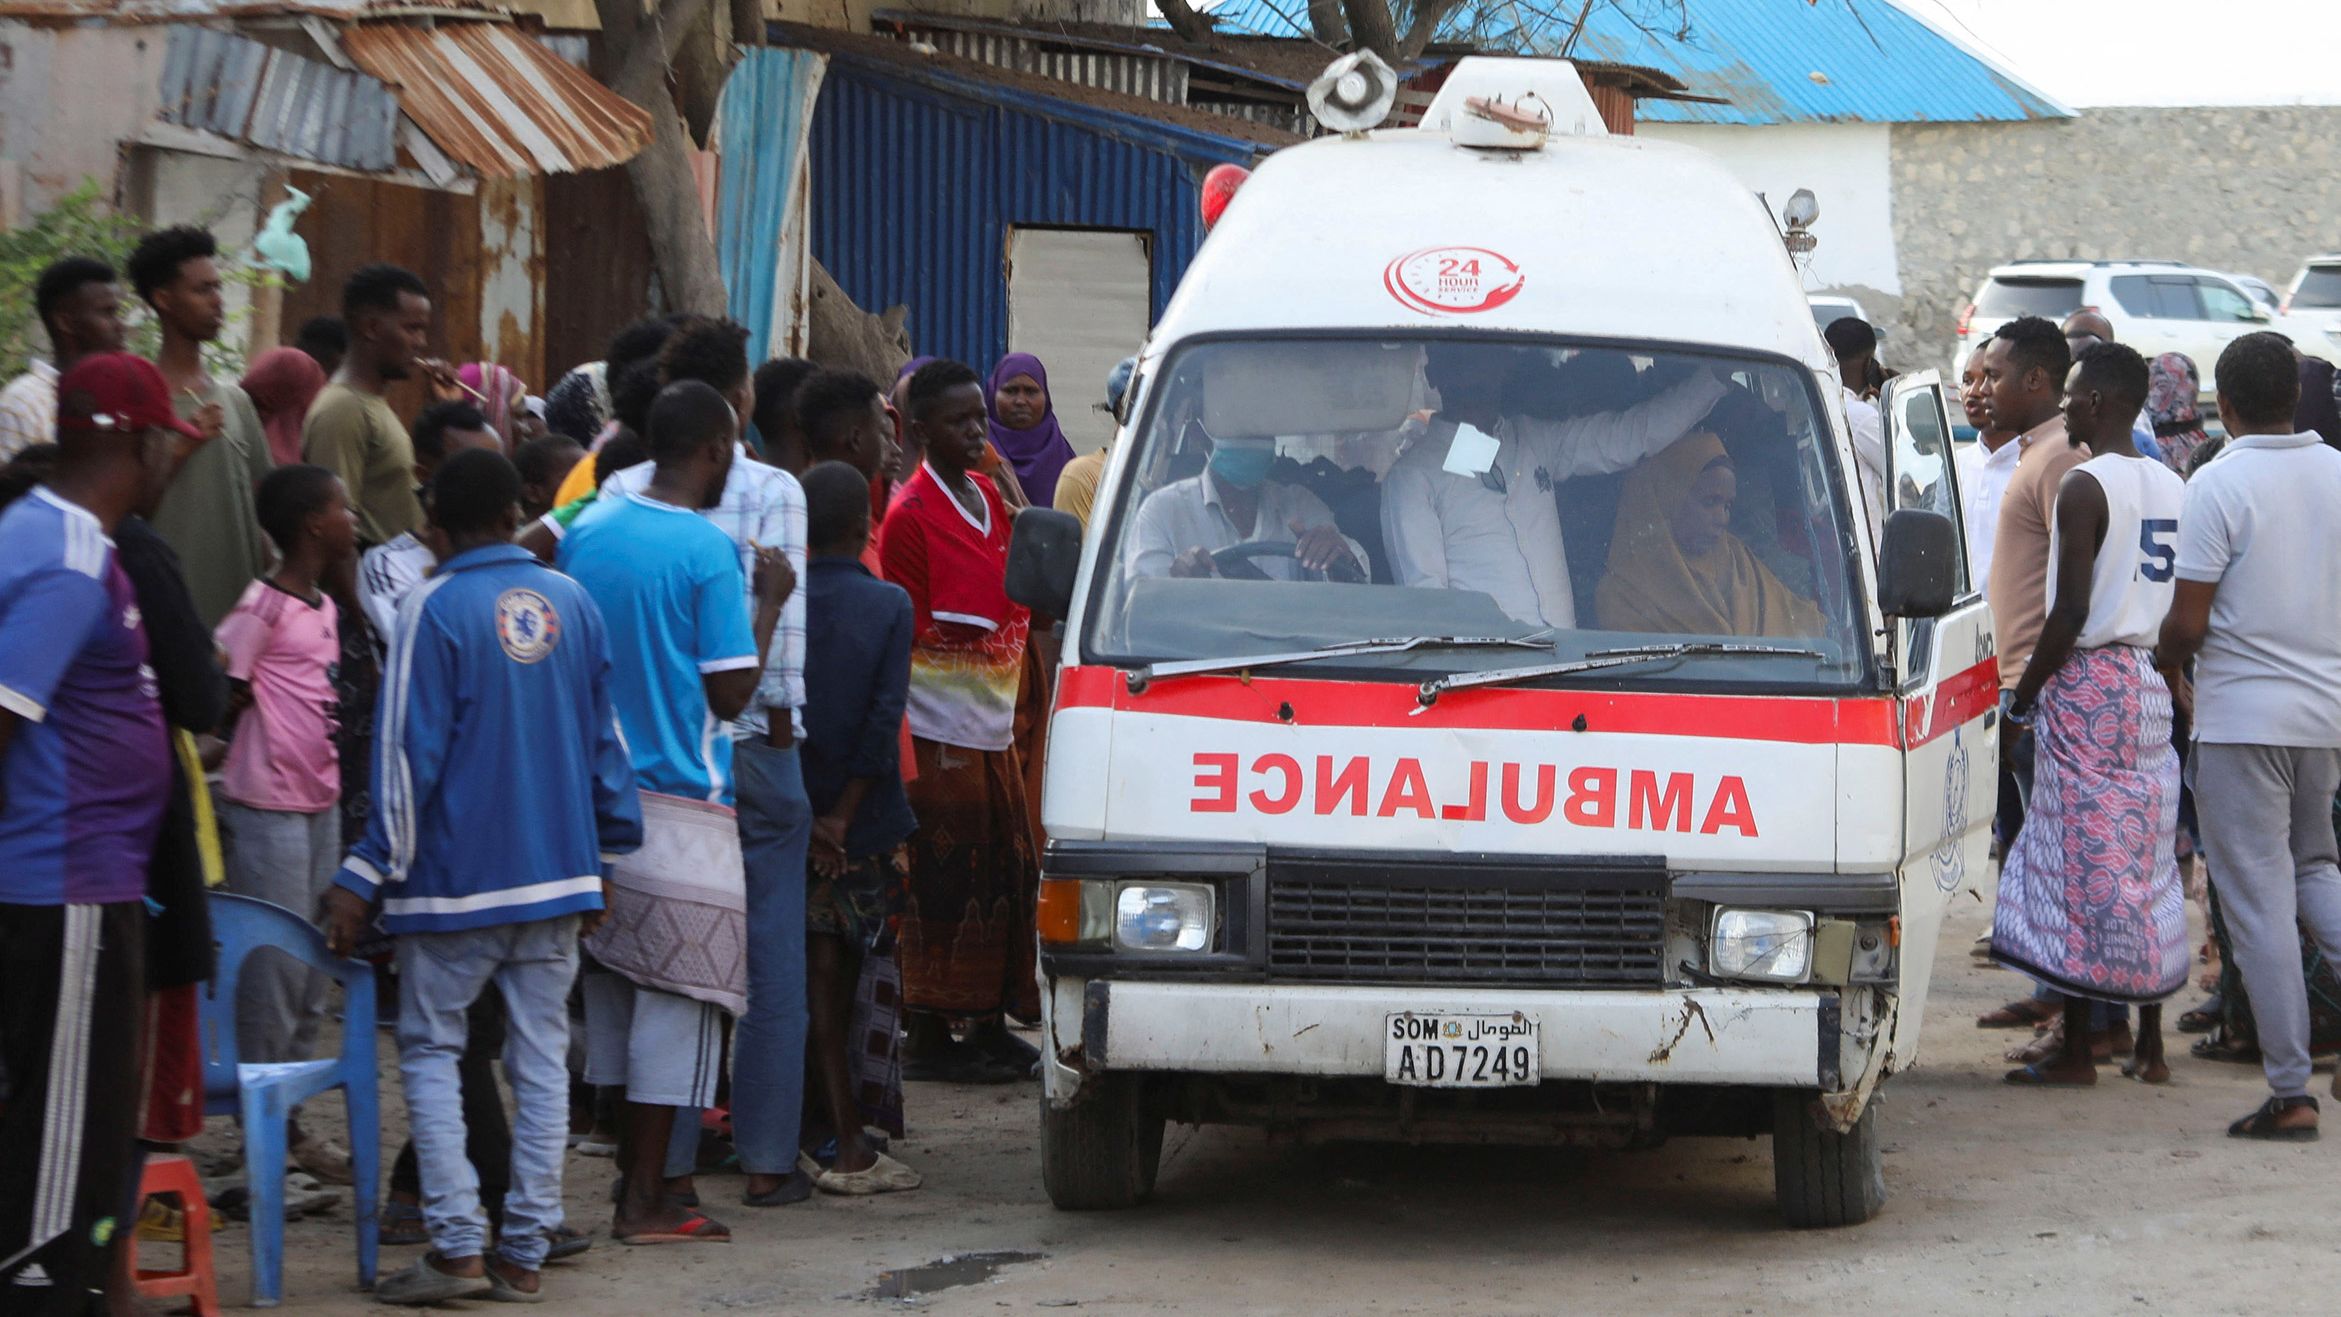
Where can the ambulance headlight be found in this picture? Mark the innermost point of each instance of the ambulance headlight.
(1773, 946)
(1163, 917)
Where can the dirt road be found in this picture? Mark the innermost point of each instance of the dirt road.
(2117, 1199)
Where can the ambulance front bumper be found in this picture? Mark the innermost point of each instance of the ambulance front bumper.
(1773, 1037)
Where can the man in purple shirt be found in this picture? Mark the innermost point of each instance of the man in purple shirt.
(85, 769)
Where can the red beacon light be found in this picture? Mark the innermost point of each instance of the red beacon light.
(1219, 188)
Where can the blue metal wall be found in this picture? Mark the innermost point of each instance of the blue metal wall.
(763, 136)
(917, 180)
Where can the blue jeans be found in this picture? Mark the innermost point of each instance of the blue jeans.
(768, 1045)
(440, 975)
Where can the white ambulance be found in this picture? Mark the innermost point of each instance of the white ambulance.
(1488, 713)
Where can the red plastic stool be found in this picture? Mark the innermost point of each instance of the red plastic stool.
(170, 1175)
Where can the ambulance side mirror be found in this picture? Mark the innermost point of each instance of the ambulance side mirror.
(1044, 558)
(1918, 566)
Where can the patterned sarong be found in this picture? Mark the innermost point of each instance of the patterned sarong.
(2090, 901)
(679, 906)
(968, 942)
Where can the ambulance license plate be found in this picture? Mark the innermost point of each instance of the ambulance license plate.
(1461, 1051)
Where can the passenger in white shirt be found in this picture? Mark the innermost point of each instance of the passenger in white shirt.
(1855, 345)
(1233, 502)
(1497, 530)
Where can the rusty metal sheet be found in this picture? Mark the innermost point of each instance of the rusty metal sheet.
(497, 101)
(277, 101)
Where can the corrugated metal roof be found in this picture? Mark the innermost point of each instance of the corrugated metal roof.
(1153, 77)
(495, 100)
(918, 176)
(280, 102)
(1774, 61)
(171, 11)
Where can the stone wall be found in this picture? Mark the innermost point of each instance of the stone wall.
(2246, 189)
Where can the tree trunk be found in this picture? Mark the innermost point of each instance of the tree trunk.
(1328, 22)
(1370, 23)
(681, 250)
(1428, 14)
(1183, 20)
(843, 336)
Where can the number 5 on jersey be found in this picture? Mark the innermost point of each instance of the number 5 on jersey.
(2157, 538)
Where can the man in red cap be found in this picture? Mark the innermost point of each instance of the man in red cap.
(84, 772)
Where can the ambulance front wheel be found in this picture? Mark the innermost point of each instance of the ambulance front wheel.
(1821, 1177)
(1102, 1151)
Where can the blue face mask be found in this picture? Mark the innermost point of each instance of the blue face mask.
(1244, 467)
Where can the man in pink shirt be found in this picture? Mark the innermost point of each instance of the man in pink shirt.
(281, 789)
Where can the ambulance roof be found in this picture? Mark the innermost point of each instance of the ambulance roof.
(1597, 236)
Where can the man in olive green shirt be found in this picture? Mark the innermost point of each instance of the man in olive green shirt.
(351, 429)
(206, 514)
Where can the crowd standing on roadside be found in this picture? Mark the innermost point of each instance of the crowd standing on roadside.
(674, 738)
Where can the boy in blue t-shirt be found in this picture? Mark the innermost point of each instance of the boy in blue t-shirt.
(685, 661)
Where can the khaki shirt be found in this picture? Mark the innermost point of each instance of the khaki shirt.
(2020, 549)
(207, 514)
(357, 437)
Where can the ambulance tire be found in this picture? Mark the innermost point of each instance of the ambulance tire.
(1100, 1153)
(1823, 1178)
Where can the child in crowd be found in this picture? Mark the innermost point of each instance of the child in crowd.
(857, 679)
(281, 786)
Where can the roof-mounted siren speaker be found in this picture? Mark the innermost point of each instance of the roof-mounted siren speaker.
(1354, 94)
(1797, 218)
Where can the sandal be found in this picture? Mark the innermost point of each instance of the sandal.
(2023, 1013)
(2262, 1124)
(422, 1284)
(697, 1228)
(2033, 1076)
(501, 1290)
(2203, 1018)
(565, 1242)
(2220, 1045)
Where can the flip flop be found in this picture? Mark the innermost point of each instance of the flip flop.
(2033, 1076)
(2022, 1013)
(566, 1242)
(795, 1189)
(423, 1284)
(697, 1228)
(884, 1176)
(2203, 1018)
(501, 1290)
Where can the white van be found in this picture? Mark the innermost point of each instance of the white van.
(1590, 781)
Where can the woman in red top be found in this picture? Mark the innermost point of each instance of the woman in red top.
(967, 936)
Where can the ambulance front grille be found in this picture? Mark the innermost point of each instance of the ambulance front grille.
(1345, 929)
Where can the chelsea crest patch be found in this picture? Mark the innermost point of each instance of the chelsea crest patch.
(526, 625)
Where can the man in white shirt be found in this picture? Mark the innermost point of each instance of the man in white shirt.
(391, 570)
(1855, 345)
(1469, 504)
(1233, 502)
(2258, 608)
(82, 310)
(1984, 468)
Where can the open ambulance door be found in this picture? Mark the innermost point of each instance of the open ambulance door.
(1948, 679)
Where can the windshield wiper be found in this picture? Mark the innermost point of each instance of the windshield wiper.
(1603, 658)
(1139, 678)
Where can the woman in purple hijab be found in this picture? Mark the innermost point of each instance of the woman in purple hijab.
(1024, 426)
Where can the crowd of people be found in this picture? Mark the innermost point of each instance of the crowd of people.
(671, 737)
(2164, 605)
(674, 737)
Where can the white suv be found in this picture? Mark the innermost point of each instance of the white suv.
(2312, 308)
(2154, 306)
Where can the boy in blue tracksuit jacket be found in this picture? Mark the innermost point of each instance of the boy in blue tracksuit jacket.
(500, 784)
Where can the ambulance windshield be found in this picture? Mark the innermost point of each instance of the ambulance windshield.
(1289, 494)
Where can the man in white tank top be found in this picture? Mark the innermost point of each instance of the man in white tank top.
(2089, 899)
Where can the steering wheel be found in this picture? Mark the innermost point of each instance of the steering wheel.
(1235, 563)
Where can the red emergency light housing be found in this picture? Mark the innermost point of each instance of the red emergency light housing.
(1219, 188)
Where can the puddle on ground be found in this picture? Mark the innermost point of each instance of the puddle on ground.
(947, 1273)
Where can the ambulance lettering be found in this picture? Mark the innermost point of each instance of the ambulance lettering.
(1361, 786)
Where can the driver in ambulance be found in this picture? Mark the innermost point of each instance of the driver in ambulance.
(1233, 502)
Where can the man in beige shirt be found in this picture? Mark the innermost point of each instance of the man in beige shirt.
(351, 429)
(2024, 368)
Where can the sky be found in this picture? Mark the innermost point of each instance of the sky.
(2156, 52)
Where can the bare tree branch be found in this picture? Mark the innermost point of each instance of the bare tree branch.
(1327, 23)
(1428, 14)
(1373, 27)
(1578, 29)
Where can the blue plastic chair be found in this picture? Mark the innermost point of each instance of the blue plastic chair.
(264, 1093)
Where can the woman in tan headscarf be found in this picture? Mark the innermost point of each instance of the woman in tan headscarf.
(1674, 565)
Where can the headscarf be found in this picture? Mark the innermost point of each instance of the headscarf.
(499, 392)
(1652, 585)
(2171, 386)
(1039, 453)
(282, 383)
